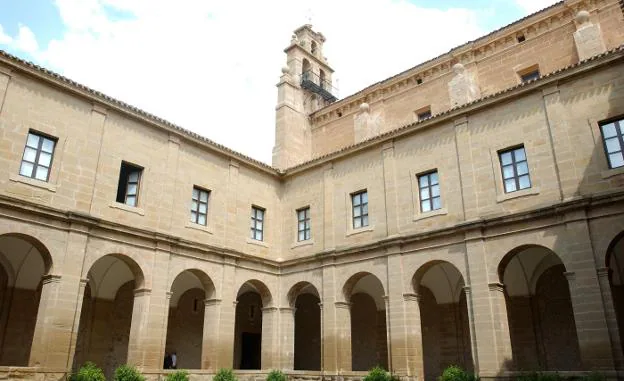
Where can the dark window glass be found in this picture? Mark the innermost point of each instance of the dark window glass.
(199, 206)
(360, 209)
(613, 142)
(515, 169)
(429, 188)
(535, 74)
(128, 186)
(257, 223)
(37, 158)
(303, 224)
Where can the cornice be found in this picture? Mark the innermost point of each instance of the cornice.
(612, 56)
(531, 26)
(467, 228)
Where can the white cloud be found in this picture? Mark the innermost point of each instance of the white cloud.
(531, 6)
(212, 66)
(5, 39)
(26, 40)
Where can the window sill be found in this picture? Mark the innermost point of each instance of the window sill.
(192, 225)
(365, 229)
(302, 243)
(612, 172)
(131, 209)
(33, 182)
(516, 194)
(433, 213)
(257, 243)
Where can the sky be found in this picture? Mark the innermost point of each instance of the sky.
(211, 66)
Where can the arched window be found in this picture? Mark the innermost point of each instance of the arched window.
(313, 47)
(322, 79)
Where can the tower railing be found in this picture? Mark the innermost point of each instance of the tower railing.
(313, 82)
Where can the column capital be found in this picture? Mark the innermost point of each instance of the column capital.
(570, 275)
(467, 290)
(211, 302)
(51, 278)
(602, 272)
(320, 304)
(288, 309)
(411, 297)
(343, 305)
(142, 291)
(168, 295)
(496, 286)
(83, 282)
(269, 309)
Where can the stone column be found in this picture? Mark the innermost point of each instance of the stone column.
(139, 332)
(76, 326)
(287, 333)
(413, 337)
(165, 325)
(471, 325)
(591, 325)
(610, 313)
(343, 333)
(269, 335)
(489, 314)
(588, 37)
(210, 341)
(395, 313)
(322, 337)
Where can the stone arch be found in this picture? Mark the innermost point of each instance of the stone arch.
(291, 284)
(258, 286)
(444, 317)
(108, 306)
(539, 309)
(24, 260)
(305, 299)
(186, 317)
(367, 297)
(614, 262)
(305, 66)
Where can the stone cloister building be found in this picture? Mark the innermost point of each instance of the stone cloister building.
(469, 210)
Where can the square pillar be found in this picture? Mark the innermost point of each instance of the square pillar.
(139, 331)
(286, 354)
(269, 334)
(210, 340)
(343, 336)
(413, 337)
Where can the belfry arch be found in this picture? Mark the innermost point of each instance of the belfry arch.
(444, 318)
(539, 310)
(24, 261)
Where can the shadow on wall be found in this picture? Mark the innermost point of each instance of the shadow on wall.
(552, 303)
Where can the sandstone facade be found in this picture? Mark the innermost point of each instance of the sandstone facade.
(381, 236)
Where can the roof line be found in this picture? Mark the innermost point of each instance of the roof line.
(458, 47)
(129, 109)
(392, 133)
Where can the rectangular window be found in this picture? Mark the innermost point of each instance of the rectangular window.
(37, 158)
(199, 206)
(423, 113)
(128, 186)
(529, 74)
(429, 192)
(613, 142)
(257, 223)
(303, 224)
(360, 209)
(515, 169)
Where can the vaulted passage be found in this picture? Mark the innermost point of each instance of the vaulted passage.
(106, 316)
(369, 344)
(186, 322)
(539, 309)
(615, 264)
(444, 318)
(248, 332)
(23, 263)
(305, 298)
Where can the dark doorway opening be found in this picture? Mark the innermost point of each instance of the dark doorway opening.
(251, 349)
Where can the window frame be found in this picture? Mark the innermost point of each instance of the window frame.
(618, 122)
(359, 206)
(306, 224)
(429, 188)
(132, 168)
(38, 150)
(514, 165)
(254, 219)
(197, 212)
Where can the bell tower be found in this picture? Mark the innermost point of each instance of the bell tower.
(304, 87)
